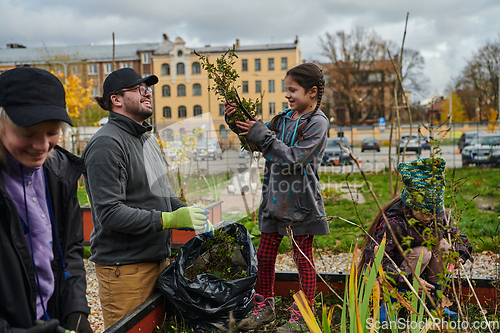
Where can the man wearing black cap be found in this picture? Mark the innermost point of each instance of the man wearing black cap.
(133, 205)
(41, 234)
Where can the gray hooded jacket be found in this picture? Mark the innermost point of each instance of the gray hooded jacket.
(128, 190)
(291, 195)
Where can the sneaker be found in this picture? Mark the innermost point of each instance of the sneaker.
(296, 322)
(262, 314)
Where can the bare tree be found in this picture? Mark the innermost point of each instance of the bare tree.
(412, 73)
(477, 84)
(361, 79)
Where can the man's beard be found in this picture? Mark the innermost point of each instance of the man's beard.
(140, 111)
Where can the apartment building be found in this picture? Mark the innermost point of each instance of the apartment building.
(182, 91)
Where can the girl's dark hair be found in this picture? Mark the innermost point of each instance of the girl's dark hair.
(307, 75)
(371, 231)
(106, 104)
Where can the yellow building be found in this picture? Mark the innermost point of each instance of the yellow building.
(182, 90)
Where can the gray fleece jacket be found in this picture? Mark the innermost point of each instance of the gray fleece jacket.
(128, 189)
(291, 195)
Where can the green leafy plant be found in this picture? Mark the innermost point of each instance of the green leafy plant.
(215, 186)
(224, 86)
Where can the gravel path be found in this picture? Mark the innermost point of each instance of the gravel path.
(95, 317)
(485, 265)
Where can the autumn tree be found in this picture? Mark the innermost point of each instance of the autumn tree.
(458, 113)
(78, 97)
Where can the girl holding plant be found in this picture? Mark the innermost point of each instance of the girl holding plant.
(293, 144)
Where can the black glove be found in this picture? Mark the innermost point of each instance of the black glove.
(44, 326)
(83, 326)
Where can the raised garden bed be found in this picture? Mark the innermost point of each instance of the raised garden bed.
(146, 317)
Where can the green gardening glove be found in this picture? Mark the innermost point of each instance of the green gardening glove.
(188, 218)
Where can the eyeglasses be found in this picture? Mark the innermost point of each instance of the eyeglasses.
(142, 90)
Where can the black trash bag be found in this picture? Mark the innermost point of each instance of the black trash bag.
(206, 300)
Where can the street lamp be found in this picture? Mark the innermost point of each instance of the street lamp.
(477, 120)
(65, 65)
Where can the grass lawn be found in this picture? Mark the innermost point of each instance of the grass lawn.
(479, 219)
(477, 207)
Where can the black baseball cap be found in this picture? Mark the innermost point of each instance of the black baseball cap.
(32, 95)
(125, 78)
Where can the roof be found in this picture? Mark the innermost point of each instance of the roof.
(102, 53)
(88, 53)
(246, 48)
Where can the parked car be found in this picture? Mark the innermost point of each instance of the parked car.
(466, 139)
(243, 153)
(414, 143)
(208, 149)
(425, 142)
(484, 149)
(334, 155)
(370, 144)
(171, 152)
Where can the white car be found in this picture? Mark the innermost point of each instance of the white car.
(246, 154)
(413, 145)
(208, 149)
(172, 151)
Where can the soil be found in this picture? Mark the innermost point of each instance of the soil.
(221, 257)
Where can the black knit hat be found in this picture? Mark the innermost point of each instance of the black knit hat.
(125, 78)
(32, 95)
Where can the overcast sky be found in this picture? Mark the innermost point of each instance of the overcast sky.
(445, 32)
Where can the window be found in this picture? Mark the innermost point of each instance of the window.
(284, 106)
(181, 111)
(244, 65)
(284, 63)
(146, 58)
(180, 68)
(126, 65)
(221, 110)
(165, 91)
(271, 86)
(257, 65)
(108, 68)
(197, 110)
(244, 86)
(179, 53)
(165, 69)
(181, 90)
(270, 64)
(93, 69)
(95, 91)
(75, 70)
(196, 68)
(196, 89)
(258, 85)
(258, 109)
(283, 88)
(272, 108)
(375, 77)
(167, 112)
